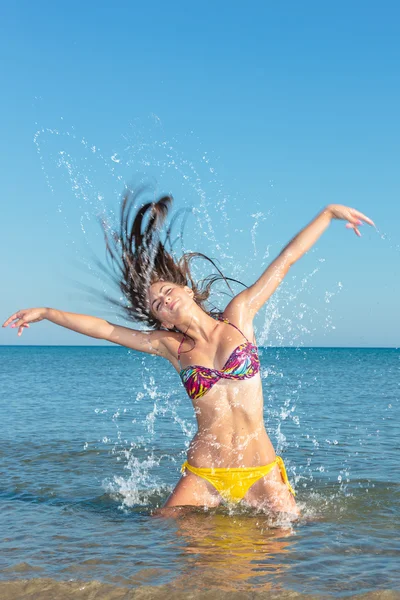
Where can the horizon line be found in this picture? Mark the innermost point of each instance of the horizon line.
(127, 348)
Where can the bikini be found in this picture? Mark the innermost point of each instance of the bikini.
(243, 363)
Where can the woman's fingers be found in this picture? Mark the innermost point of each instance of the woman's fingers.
(14, 316)
(354, 220)
(17, 317)
(352, 215)
(19, 320)
(17, 323)
(351, 226)
(21, 317)
(20, 324)
(360, 215)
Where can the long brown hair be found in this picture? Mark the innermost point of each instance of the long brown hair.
(138, 258)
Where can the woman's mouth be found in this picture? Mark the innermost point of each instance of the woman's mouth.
(172, 305)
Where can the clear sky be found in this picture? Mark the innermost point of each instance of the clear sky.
(256, 114)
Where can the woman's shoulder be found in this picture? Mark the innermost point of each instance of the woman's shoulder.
(171, 340)
(237, 315)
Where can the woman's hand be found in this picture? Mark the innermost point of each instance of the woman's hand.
(25, 316)
(353, 216)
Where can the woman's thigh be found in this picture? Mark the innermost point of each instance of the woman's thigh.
(270, 492)
(194, 491)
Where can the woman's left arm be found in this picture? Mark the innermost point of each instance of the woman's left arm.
(253, 298)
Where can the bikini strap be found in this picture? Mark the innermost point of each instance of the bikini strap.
(184, 336)
(180, 346)
(220, 318)
(229, 323)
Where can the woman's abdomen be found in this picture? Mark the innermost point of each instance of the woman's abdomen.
(223, 445)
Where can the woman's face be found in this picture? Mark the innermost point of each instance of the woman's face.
(169, 301)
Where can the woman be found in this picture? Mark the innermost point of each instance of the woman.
(230, 458)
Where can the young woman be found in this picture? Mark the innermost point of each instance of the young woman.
(231, 457)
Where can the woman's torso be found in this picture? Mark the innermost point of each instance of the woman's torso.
(231, 430)
(228, 403)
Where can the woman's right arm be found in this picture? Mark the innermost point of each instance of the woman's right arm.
(152, 342)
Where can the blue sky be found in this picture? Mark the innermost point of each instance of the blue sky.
(256, 114)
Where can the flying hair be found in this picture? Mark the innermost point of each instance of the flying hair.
(137, 258)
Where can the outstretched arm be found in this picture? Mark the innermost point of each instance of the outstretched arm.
(152, 342)
(256, 295)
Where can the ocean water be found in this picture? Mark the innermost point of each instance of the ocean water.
(92, 439)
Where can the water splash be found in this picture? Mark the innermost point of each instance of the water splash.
(90, 173)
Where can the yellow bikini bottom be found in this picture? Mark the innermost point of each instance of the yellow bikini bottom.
(233, 484)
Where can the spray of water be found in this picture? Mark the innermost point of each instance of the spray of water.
(81, 175)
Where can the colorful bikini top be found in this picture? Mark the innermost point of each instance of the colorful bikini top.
(243, 363)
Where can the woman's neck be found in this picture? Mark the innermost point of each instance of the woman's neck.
(200, 327)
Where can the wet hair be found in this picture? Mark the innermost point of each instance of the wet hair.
(138, 258)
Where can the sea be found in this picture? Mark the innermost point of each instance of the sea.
(92, 441)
